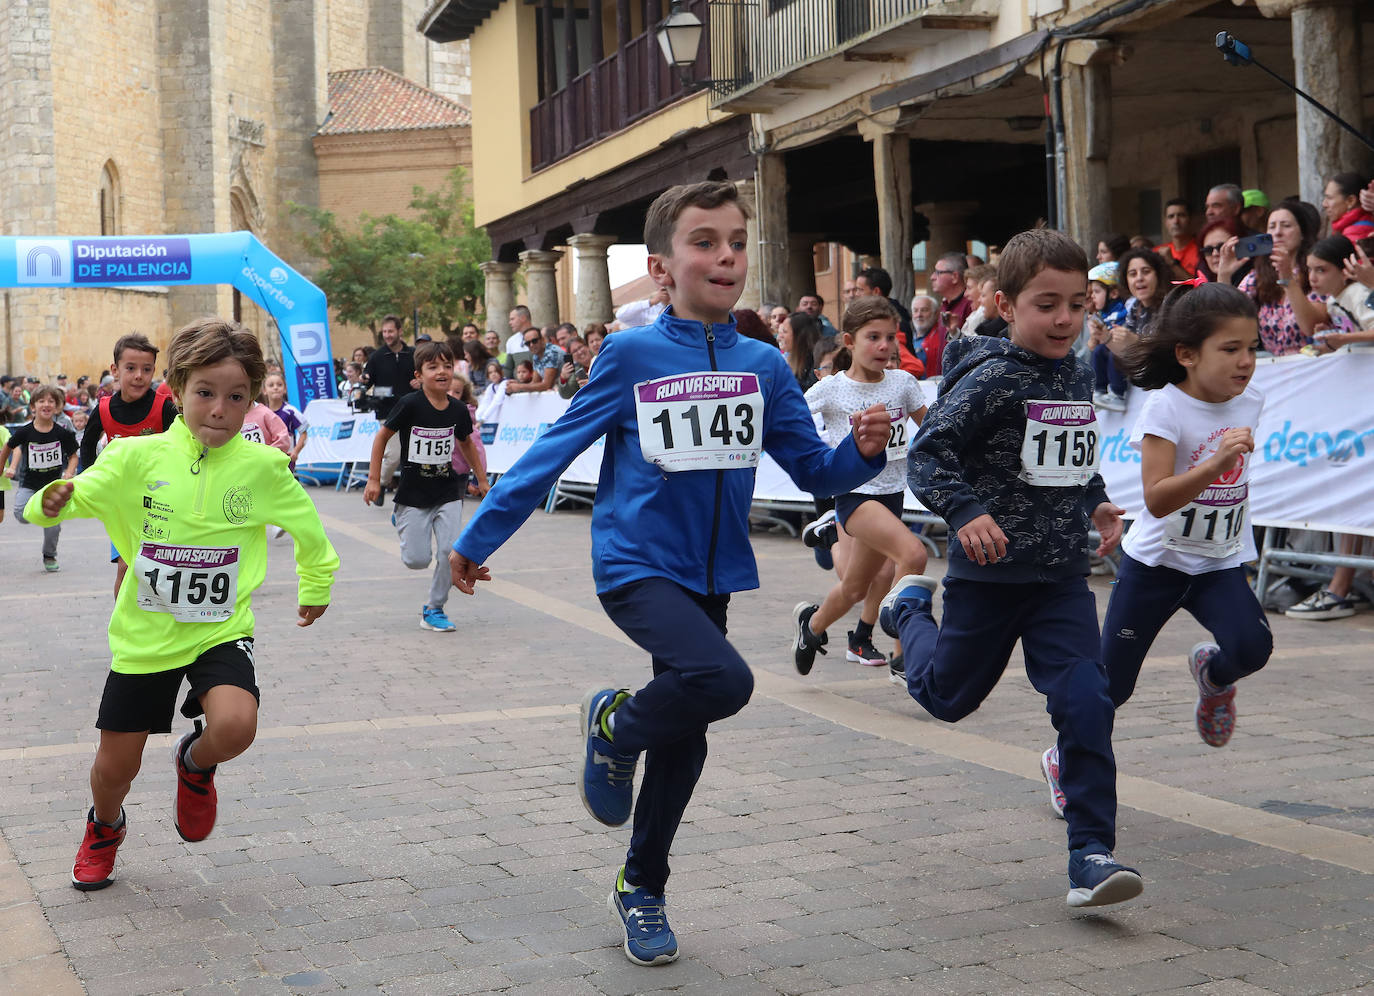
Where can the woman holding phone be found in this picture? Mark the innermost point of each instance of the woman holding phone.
(1288, 310)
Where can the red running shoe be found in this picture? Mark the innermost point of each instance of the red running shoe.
(193, 813)
(95, 861)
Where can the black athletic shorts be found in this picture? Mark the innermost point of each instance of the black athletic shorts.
(847, 503)
(138, 703)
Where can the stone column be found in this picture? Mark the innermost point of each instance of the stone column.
(892, 181)
(801, 269)
(749, 297)
(593, 301)
(948, 230)
(541, 285)
(770, 195)
(498, 294)
(1088, 138)
(1326, 59)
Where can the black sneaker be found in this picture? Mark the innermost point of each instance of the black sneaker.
(863, 652)
(821, 532)
(896, 670)
(805, 645)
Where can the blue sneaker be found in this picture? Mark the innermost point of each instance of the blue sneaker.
(648, 938)
(607, 782)
(432, 618)
(1098, 879)
(916, 587)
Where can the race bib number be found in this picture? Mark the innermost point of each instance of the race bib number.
(707, 420)
(1212, 524)
(431, 446)
(252, 432)
(897, 435)
(45, 456)
(1059, 448)
(191, 583)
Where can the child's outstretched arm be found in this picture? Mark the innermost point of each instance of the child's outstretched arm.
(373, 490)
(9, 458)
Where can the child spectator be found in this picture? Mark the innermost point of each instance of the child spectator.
(670, 526)
(428, 507)
(1344, 300)
(1189, 546)
(1105, 312)
(48, 453)
(489, 405)
(524, 372)
(353, 379)
(189, 613)
(1008, 456)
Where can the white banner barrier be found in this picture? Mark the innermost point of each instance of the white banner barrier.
(1313, 465)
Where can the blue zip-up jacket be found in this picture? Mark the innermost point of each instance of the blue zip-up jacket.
(690, 526)
(965, 461)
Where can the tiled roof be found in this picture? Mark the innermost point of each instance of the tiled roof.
(376, 99)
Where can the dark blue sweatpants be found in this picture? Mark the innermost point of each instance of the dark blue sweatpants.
(1145, 598)
(952, 667)
(1106, 372)
(698, 679)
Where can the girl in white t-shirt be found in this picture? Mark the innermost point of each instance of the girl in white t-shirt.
(1189, 544)
(872, 513)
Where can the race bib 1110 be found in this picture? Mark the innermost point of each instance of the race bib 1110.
(1212, 524)
(1059, 448)
(708, 420)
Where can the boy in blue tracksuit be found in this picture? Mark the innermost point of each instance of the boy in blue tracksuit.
(686, 405)
(1008, 456)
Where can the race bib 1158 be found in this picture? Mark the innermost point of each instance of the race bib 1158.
(708, 420)
(1059, 448)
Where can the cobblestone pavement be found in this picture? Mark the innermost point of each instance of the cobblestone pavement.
(407, 820)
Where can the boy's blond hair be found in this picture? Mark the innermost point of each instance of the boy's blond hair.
(208, 341)
(668, 206)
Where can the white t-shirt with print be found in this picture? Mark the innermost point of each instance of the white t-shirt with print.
(1212, 532)
(837, 398)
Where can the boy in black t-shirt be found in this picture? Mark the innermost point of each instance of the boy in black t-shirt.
(46, 447)
(428, 511)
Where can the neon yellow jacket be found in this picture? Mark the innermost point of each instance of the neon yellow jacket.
(5, 482)
(190, 523)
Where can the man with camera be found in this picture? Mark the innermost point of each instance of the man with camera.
(389, 375)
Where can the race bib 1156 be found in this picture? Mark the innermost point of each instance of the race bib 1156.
(708, 420)
(1059, 448)
(45, 456)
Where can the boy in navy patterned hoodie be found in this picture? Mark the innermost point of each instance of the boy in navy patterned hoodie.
(1008, 456)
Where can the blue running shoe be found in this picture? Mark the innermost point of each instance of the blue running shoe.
(648, 938)
(916, 587)
(607, 782)
(1098, 879)
(432, 618)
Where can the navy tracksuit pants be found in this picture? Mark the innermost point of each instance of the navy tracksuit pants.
(952, 667)
(1145, 598)
(698, 679)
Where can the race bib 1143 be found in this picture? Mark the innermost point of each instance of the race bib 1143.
(1059, 448)
(708, 420)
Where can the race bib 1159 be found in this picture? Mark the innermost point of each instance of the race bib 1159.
(707, 420)
(190, 583)
(1059, 448)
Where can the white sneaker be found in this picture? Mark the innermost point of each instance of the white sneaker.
(1113, 402)
(1321, 605)
(1099, 399)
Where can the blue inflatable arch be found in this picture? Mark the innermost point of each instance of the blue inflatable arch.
(236, 258)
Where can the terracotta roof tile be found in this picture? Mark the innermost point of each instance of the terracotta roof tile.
(376, 99)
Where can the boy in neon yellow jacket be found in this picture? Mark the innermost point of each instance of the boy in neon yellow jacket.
(187, 510)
